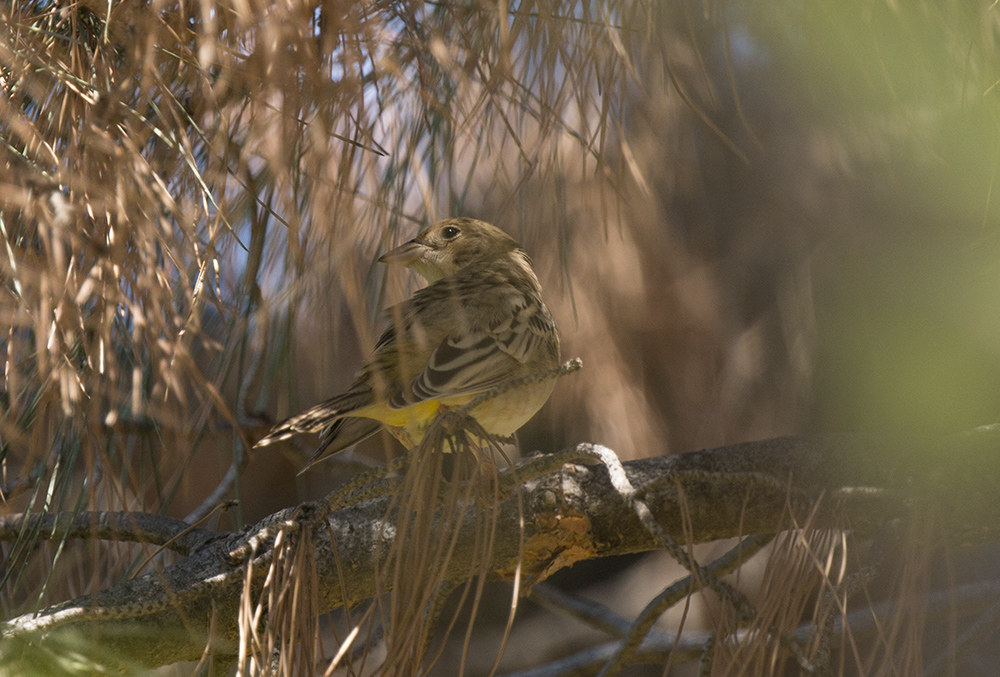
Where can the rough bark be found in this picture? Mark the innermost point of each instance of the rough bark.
(570, 514)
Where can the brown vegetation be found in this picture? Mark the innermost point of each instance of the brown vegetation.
(750, 221)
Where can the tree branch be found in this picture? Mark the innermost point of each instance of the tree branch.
(570, 514)
(135, 527)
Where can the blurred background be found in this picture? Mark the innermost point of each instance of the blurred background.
(750, 220)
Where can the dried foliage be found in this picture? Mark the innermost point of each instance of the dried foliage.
(164, 162)
(432, 502)
(728, 203)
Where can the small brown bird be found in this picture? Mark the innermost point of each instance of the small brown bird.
(480, 323)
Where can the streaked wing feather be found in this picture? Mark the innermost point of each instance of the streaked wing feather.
(475, 362)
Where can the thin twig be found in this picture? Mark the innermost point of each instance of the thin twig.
(675, 592)
(135, 527)
(584, 610)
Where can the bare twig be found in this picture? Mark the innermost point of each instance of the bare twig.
(675, 592)
(135, 527)
(584, 610)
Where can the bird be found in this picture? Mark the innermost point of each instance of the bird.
(478, 325)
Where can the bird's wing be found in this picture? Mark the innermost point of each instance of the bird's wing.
(474, 359)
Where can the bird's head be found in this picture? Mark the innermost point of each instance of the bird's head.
(448, 245)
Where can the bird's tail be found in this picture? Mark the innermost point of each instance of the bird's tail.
(319, 418)
(344, 433)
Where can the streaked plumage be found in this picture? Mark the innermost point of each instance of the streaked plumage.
(479, 324)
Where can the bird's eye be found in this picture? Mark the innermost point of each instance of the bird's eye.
(450, 232)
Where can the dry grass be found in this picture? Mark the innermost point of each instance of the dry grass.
(187, 185)
(436, 495)
(192, 193)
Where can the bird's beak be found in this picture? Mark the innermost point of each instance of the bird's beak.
(406, 254)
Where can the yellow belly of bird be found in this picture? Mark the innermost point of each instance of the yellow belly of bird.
(409, 423)
(502, 415)
(416, 414)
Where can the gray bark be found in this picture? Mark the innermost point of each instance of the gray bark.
(572, 513)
